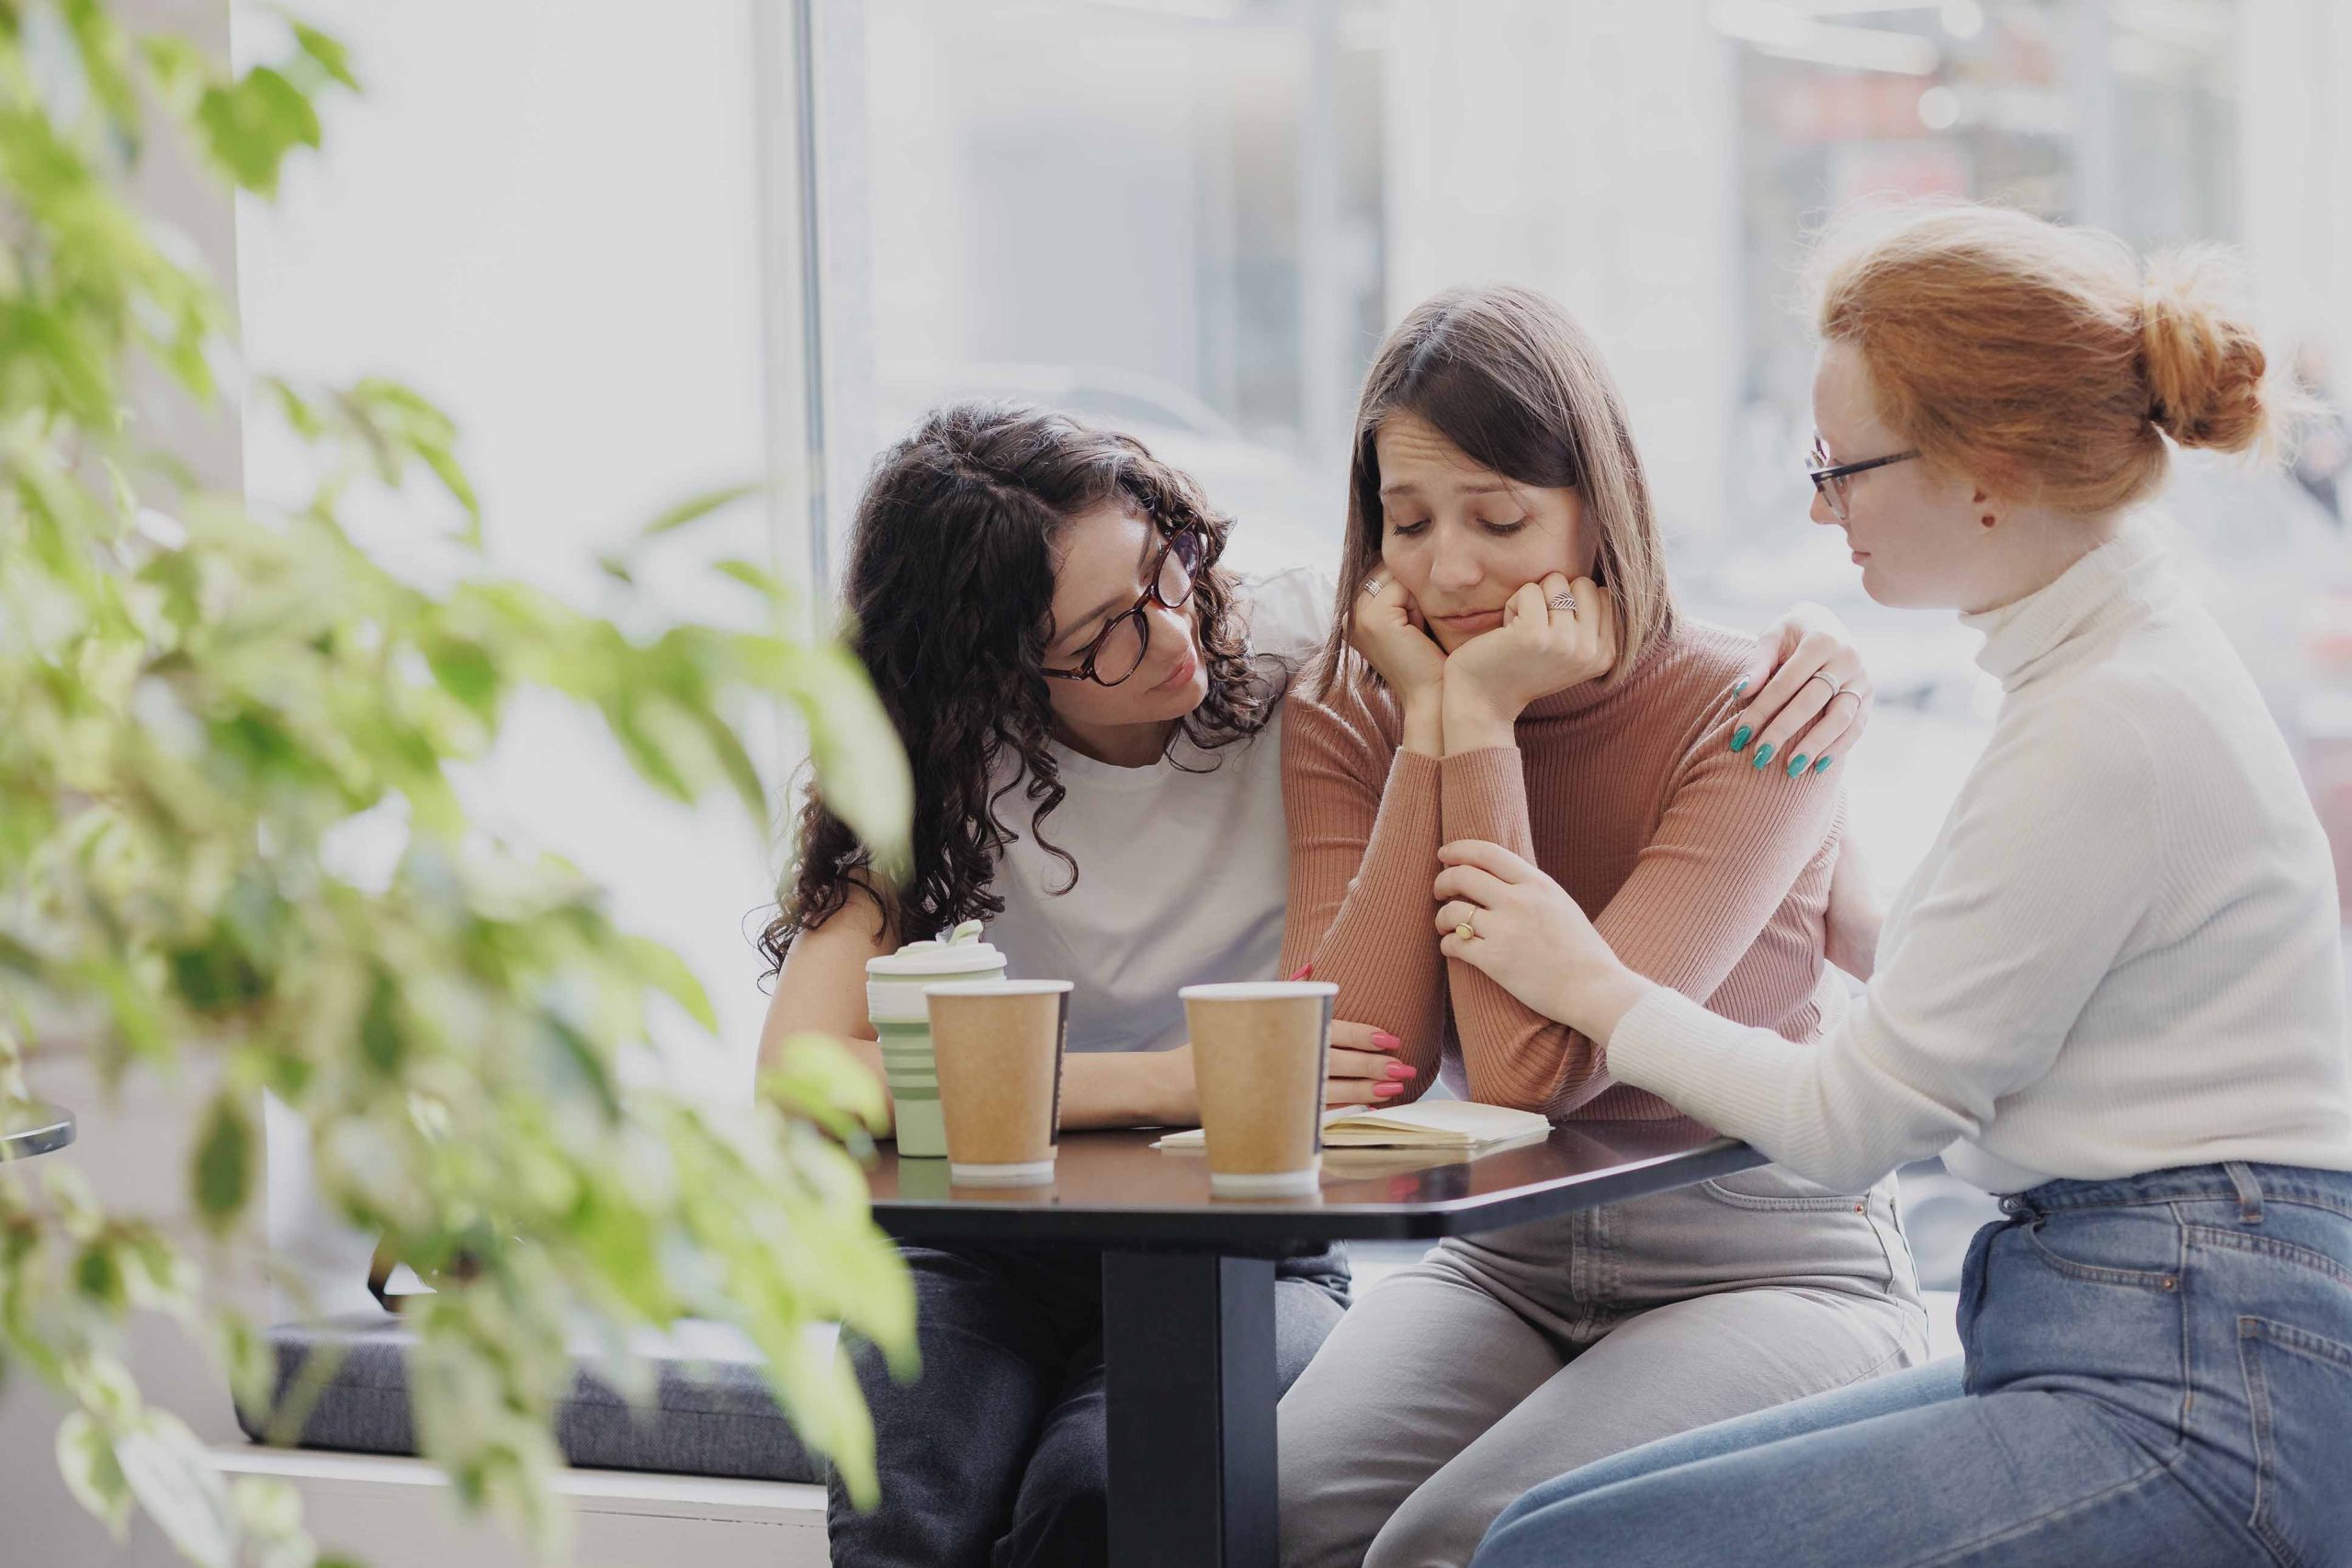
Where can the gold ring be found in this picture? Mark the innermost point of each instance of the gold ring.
(1465, 931)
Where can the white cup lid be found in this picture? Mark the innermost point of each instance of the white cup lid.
(1258, 990)
(1000, 989)
(961, 952)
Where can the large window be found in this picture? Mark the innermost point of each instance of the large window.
(1194, 219)
(1162, 217)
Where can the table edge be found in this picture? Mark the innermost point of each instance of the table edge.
(1209, 1229)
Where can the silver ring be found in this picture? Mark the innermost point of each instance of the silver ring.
(1564, 602)
(1466, 931)
(1373, 585)
(1818, 675)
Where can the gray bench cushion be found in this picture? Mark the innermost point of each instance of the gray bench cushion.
(712, 1416)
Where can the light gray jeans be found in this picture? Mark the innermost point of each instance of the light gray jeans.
(1502, 1361)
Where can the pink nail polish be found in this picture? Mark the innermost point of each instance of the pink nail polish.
(1399, 1070)
(1386, 1040)
(1385, 1090)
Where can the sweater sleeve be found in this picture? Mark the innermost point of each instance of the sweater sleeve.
(1729, 846)
(2050, 860)
(1364, 819)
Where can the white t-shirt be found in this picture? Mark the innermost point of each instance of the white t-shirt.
(1183, 876)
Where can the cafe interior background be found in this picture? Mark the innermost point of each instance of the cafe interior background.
(640, 250)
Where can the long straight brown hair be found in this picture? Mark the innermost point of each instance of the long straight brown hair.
(1505, 375)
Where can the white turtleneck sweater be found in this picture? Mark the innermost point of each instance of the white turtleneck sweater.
(2120, 955)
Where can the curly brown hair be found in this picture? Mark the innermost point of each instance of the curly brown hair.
(949, 589)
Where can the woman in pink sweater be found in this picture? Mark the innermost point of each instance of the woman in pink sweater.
(1507, 664)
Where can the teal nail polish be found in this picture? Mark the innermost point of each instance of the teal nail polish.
(1823, 765)
(1739, 737)
(1763, 754)
(1738, 686)
(1797, 762)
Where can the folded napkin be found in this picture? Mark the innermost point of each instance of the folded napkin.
(1429, 1125)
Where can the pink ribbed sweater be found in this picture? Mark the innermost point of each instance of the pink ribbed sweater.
(1703, 873)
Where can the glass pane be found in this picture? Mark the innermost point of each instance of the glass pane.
(1176, 569)
(1194, 220)
(1164, 218)
(1120, 651)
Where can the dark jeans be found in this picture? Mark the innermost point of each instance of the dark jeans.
(995, 1457)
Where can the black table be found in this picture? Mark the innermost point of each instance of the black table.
(37, 1129)
(1188, 1287)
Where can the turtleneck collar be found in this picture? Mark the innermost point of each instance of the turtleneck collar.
(2019, 637)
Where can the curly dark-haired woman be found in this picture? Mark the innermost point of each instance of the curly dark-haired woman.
(1093, 706)
(1086, 696)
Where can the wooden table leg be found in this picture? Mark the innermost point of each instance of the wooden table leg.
(1189, 1391)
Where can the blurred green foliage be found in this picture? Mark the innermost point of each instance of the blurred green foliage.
(202, 703)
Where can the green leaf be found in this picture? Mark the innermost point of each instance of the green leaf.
(587, 1064)
(736, 764)
(251, 1364)
(173, 1477)
(177, 68)
(754, 577)
(86, 1459)
(398, 423)
(105, 54)
(225, 1152)
(862, 772)
(383, 1044)
(253, 124)
(815, 1076)
(467, 670)
(695, 509)
(330, 53)
(818, 1388)
(663, 970)
(98, 1277)
(215, 976)
(650, 741)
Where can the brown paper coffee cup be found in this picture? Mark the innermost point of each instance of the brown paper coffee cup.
(1259, 1052)
(998, 1045)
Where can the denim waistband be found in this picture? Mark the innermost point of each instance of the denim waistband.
(2238, 1181)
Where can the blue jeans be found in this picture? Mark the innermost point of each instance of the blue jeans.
(2158, 1372)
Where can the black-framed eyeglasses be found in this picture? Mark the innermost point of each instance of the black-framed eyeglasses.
(1118, 649)
(1829, 479)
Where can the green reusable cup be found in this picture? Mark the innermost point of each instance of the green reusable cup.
(901, 1019)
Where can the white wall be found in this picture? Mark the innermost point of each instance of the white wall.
(546, 217)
